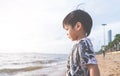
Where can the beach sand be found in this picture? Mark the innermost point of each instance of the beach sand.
(110, 64)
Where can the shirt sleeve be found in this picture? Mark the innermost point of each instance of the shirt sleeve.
(87, 52)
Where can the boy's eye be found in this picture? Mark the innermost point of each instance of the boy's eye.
(66, 29)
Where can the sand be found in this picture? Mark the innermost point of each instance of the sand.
(110, 64)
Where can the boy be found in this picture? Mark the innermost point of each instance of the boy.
(82, 61)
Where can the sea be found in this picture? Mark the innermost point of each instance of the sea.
(30, 64)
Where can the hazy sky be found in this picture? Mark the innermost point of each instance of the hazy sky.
(36, 25)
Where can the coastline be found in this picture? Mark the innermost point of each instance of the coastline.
(108, 65)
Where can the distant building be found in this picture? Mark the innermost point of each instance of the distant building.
(109, 36)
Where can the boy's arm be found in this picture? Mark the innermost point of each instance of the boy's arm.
(93, 70)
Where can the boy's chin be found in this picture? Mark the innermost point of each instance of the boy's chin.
(73, 40)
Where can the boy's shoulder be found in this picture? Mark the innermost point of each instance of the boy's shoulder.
(85, 41)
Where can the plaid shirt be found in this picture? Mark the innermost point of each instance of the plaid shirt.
(82, 54)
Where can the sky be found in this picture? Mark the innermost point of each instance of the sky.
(36, 25)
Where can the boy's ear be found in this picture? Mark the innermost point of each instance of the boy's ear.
(78, 26)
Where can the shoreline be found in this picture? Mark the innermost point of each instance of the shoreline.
(108, 66)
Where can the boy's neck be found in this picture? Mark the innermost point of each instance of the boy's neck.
(81, 37)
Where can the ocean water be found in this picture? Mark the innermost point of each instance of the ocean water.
(30, 64)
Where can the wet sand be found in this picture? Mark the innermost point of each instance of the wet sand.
(110, 64)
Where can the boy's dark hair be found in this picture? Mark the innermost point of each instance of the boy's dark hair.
(79, 16)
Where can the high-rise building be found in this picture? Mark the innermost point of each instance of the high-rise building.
(109, 36)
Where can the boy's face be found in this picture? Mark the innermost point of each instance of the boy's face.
(71, 32)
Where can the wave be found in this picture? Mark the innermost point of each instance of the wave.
(16, 70)
(45, 61)
(37, 62)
